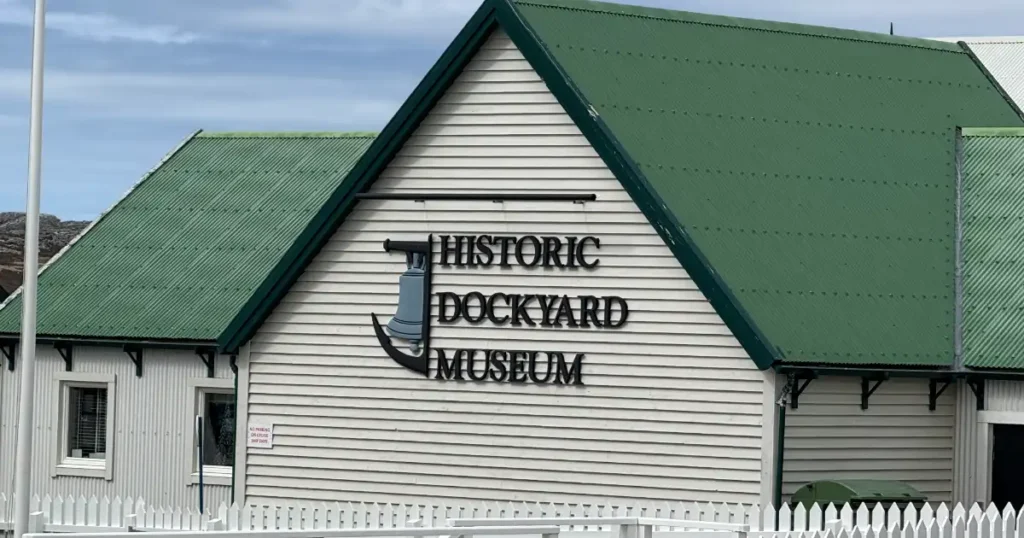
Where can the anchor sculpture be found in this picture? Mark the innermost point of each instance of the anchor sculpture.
(411, 321)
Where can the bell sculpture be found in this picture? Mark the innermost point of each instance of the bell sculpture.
(407, 324)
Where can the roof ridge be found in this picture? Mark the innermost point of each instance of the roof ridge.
(288, 134)
(726, 21)
(17, 292)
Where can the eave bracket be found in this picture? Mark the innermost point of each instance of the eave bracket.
(207, 355)
(67, 353)
(135, 354)
(978, 387)
(935, 390)
(798, 388)
(7, 348)
(867, 388)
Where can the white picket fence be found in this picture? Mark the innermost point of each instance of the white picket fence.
(78, 514)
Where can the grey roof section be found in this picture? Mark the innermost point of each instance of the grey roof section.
(1003, 56)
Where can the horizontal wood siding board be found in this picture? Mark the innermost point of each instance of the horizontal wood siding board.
(829, 436)
(672, 406)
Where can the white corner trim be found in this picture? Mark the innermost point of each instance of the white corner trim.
(195, 386)
(769, 417)
(65, 466)
(242, 429)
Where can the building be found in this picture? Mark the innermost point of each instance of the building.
(131, 312)
(586, 261)
(776, 206)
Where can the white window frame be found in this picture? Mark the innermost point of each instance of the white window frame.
(985, 444)
(64, 465)
(214, 475)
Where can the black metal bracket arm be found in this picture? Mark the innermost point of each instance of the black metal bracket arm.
(7, 348)
(207, 355)
(799, 388)
(135, 354)
(978, 387)
(934, 391)
(67, 353)
(867, 389)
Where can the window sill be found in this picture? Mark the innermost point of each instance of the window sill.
(213, 476)
(90, 468)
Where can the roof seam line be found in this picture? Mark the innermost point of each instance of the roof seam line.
(958, 254)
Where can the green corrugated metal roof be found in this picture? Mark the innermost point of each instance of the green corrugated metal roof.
(813, 168)
(993, 252)
(182, 253)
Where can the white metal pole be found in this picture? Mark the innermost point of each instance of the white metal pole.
(23, 456)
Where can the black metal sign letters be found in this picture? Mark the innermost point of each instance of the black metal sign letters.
(411, 322)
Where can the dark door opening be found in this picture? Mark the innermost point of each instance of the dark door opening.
(1007, 465)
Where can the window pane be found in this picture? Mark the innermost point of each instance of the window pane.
(218, 429)
(87, 422)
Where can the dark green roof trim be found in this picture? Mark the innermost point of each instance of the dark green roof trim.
(634, 182)
(401, 127)
(988, 74)
(901, 372)
(993, 131)
(655, 13)
(377, 156)
(145, 343)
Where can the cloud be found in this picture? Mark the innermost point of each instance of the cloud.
(100, 27)
(229, 100)
(404, 19)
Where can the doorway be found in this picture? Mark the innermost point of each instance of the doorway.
(1007, 465)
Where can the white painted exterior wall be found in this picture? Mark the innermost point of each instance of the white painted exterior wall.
(152, 444)
(1004, 404)
(672, 407)
(896, 438)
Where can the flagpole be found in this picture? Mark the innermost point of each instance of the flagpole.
(23, 456)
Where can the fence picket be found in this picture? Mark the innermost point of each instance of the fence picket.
(789, 521)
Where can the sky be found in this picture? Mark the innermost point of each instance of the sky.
(127, 80)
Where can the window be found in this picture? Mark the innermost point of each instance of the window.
(87, 422)
(215, 403)
(218, 412)
(84, 415)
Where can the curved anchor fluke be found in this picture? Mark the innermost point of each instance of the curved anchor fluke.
(413, 362)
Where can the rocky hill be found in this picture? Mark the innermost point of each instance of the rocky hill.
(54, 234)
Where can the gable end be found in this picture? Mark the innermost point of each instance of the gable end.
(491, 14)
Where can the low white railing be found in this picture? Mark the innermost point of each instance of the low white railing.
(621, 527)
(81, 515)
(548, 531)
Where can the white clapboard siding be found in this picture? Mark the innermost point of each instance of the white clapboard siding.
(151, 455)
(896, 438)
(672, 407)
